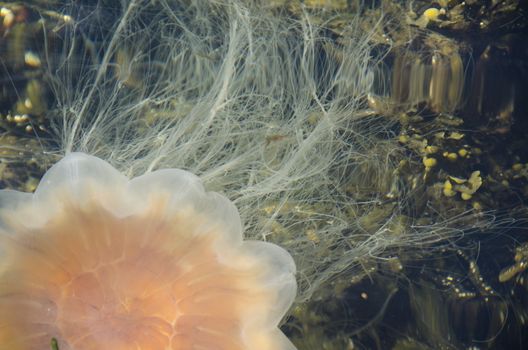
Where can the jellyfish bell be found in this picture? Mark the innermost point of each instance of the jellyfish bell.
(95, 260)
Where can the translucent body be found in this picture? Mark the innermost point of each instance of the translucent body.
(261, 105)
(100, 262)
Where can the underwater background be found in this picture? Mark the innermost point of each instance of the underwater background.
(382, 143)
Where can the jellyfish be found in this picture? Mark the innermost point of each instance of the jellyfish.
(94, 260)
